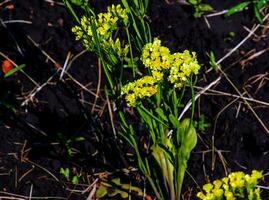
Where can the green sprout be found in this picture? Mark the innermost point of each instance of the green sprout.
(202, 124)
(212, 61)
(257, 5)
(69, 143)
(199, 7)
(66, 173)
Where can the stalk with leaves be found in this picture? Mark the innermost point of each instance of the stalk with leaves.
(159, 80)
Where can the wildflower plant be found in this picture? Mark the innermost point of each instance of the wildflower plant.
(99, 34)
(154, 89)
(236, 186)
(157, 99)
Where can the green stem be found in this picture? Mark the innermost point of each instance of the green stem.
(100, 53)
(131, 49)
(192, 99)
(151, 115)
(180, 179)
(157, 194)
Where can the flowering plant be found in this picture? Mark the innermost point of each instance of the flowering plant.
(157, 99)
(237, 185)
(156, 96)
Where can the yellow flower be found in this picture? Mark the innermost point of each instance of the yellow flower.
(156, 57)
(201, 195)
(139, 89)
(208, 187)
(183, 66)
(180, 65)
(217, 193)
(236, 185)
(257, 193)
(229, 195)
(105, 24)
(164, 66)
(157, 75)
(217, 183)
(256, 174)
(253, 179)
(130, 99)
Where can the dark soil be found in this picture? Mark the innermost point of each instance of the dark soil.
(34, 136)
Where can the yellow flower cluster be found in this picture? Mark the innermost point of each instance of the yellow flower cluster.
(177, 67)
(156, 57)
(105, 24)
(143, 87)
(159, 60)
(237, 185)
(184, 64)
(119, 12)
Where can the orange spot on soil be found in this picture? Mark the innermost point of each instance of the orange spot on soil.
(10, 7)
(7, 66)
(57, 65)
(148, 197)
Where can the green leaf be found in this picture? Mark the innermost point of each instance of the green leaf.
(116, 181)
(126, 4)
(261, 3)
(77, 2)
(65, 173)
(78, 139)
(212, 60)
(174, 120)
(237, 8)
(146, 118)
(101, 192)
(148, 115)
(69, 6)
(190, 136)
(14, 70)
(159, 96)
(161, 114)
(205, 7)
(136, 3)
(257, 14)
(193, 2)
(75, 180)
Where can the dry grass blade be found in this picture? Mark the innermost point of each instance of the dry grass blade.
(69, 55)
(22, 197)
(253, 56)
(221, 111)
(4, 2)
(17, 21)
(54, 2)
(186, 108)
(216, 92)
(33, 93)
(44, 169)
(246, 102)
(253, 30)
